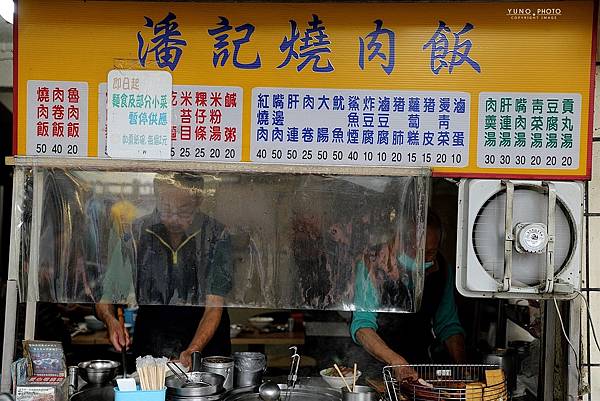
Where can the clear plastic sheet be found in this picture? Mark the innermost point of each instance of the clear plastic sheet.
(289, 241)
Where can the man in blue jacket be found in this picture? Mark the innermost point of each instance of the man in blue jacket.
(403, 338)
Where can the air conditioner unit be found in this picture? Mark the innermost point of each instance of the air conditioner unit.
(519, 239)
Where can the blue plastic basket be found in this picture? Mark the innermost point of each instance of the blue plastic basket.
(139, 395)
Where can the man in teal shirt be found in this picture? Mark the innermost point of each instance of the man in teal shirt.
(403, 338)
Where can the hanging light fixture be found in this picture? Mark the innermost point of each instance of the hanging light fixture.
(7, 10)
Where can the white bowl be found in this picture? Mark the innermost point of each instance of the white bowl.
(336, 381)
(260, 322)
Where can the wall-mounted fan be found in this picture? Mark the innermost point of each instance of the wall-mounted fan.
(519, 239)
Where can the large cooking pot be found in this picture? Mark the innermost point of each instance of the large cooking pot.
(94, 394)
(506, 358)
(300, 393)
(205, 384)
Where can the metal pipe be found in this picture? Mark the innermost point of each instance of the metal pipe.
(12, 293)
(34, 254)
(508, 237)
(85, 163)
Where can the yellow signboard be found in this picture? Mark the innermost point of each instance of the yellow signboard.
(471, 89)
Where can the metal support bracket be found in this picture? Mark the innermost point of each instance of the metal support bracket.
(505, 285)
(12, 284)
(548, 286)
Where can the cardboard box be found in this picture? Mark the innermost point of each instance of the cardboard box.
(42, 389)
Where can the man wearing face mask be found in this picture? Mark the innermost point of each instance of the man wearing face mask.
(403, 338)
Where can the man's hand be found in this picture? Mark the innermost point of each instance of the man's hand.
(374, 345)
(206, 328)
(186, 357)
(118, 335)
(405, 373)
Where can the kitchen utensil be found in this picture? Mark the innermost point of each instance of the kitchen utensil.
(269, 391)
(342, 376)
(249, 368)
(179, 373)
(246, 379)
(293, 376)
(196, 361)
(354, 379)
(98, 371)
(221, 365)
(336, 381)
(208, 384)
(445, 382)
(506, 358)
(73, 378)
(124, 348)
(360, 393)
(300, 393)
(106, 393)
(152, 372)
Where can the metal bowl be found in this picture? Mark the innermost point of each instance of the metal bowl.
(209, 384)
(98, 371)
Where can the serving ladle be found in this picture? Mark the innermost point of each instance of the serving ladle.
(269, 391)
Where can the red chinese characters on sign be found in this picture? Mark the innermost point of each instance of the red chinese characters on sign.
(200, 116)
(54, 108)
(230, 134)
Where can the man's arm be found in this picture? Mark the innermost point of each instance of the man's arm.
(456, 348)
(363, 327)
(206, 328)
(446, 325)
(374, 345)
(118, 337)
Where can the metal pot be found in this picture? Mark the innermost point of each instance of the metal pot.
(214, 385)
(507, 360)
(214, 397)
(248, 379)
(300, 393)
(221, 365)
(94, 394)
(360, 393)
(249, 368)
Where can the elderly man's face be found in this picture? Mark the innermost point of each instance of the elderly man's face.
(176, 208)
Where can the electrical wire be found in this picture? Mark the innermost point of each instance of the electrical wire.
(562, 326)
(590, 319)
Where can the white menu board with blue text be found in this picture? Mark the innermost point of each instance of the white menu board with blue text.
(360, 127)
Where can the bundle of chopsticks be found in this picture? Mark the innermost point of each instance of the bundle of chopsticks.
(337, 368)
(152, 372)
